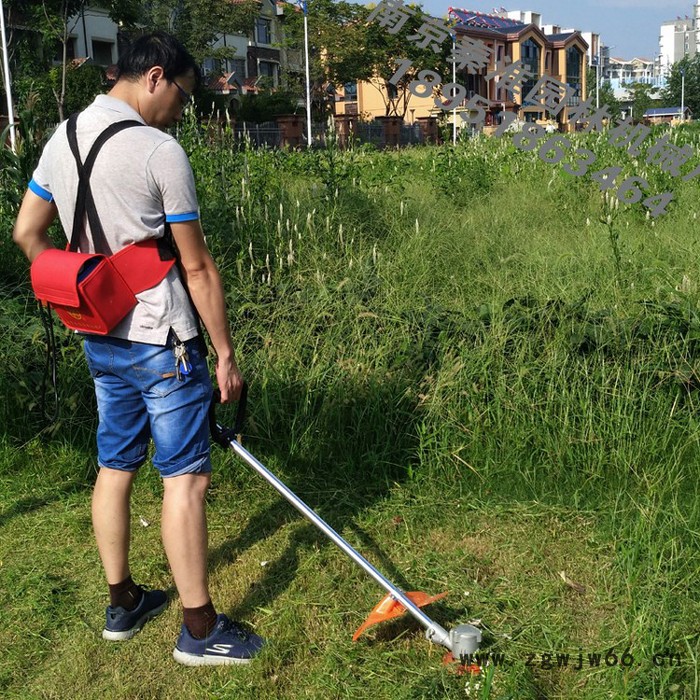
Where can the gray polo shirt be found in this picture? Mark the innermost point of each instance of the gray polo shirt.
(141, 180)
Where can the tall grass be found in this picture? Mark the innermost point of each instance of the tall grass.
(478, 367)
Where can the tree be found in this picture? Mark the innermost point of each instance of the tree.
(197, 23)
(383, 49)
(337, 38)
(642, 98)
(672, 91)
(265, 106)
(52, 22)
(83, 82)
(606, 94)
(346, 48)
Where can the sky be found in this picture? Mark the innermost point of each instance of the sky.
(629, 27)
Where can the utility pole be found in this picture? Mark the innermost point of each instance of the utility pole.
(454, 82)
(597, 78)
(305, 9)
(682, 94)
(6, 71)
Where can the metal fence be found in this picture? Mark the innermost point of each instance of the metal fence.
(266, 134)
(269, 134)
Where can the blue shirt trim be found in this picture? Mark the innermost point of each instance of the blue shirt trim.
(40, 191)
(178, 218)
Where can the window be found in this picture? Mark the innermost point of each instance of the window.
(212, 66)
(102, 52)
(263, 31)
(267, 69)
(70, 50)
(350, 92)
(237, 66)
(530, 56)
(574, 62)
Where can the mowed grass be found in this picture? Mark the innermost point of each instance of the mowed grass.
(500, 563)
(478, 379)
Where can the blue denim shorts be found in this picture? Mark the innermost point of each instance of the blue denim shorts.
(139, 396)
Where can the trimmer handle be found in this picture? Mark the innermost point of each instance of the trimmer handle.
(220, 434)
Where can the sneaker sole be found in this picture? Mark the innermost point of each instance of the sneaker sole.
(122, 636)
(183, 657)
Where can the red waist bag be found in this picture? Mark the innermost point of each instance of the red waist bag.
(92, 293)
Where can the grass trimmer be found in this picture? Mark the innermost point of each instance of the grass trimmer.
(462, 640)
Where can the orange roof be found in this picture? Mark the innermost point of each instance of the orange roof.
(222, 83)
(250, 84)
(231, 82)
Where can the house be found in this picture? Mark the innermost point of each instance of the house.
(91, 35)
(620, 72)
(562, 56)
(255, 55)
(247, 63)
(667, 115)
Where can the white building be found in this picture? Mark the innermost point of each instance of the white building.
(620, 71)
(93, 34)
(254, 56)
(525, 17)
(678, 38)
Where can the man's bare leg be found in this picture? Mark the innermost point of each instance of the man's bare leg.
(111, 521)
(184, 532)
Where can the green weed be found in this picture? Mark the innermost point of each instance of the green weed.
(479, 383)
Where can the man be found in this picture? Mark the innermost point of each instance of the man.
(151, 377)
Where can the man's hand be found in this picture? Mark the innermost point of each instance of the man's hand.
(229, 379)
(204, 284)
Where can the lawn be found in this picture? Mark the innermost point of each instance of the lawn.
(477, 367)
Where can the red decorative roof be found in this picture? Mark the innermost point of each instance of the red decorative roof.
(471, 18)
(225, 84)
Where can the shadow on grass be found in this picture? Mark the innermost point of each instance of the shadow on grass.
(365, 439)
(23, 506)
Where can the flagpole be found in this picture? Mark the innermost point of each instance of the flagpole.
(6, 71)
(683, 94)
(454, 81)
(305, 8)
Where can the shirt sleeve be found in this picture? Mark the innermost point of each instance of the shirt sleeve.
(170, 174)
(39, 184)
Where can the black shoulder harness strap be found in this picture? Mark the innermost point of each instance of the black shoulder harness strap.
(84, 201)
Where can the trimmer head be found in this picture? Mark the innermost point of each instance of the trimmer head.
(462, 641)
(388, 608)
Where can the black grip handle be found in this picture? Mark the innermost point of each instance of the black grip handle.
(221, 435)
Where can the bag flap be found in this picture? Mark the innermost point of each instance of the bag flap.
(141, 264)
(54, 274)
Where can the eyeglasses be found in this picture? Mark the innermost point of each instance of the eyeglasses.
(185, 97)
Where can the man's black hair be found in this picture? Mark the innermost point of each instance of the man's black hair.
(156, 49)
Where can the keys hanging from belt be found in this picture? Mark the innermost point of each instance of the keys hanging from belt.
(183, 366)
